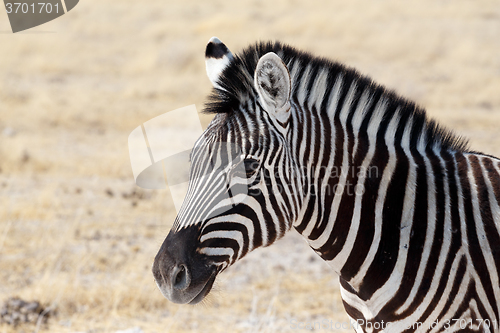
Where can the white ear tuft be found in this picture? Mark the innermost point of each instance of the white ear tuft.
(217, 57)
(272, 81)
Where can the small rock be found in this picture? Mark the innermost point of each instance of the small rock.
(15, 303)
(31, 317)
(136, 194)
(31, 307)
(25, 157)
(109, 193)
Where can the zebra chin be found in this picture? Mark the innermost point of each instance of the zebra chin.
(183, 275)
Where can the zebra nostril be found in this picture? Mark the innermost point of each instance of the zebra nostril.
(180, 277)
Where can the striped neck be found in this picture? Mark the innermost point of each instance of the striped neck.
(356, 130)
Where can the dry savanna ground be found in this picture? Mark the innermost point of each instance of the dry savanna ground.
(77, 235)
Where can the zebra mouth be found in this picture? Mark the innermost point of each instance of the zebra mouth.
(206, 289)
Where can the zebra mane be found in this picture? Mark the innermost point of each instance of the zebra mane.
(237, 88)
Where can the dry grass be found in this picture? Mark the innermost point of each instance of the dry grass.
(69, 99)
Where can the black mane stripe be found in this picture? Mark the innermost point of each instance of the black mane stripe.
(237, 86)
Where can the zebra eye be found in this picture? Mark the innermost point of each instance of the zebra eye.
(251, 166)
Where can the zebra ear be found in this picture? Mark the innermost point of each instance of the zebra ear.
(217, 57)
(272, 81)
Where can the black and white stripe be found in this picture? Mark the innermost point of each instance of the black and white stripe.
(405, 214)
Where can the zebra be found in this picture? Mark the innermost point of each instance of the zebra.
(401, 209)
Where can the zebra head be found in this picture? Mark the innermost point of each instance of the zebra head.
(242, 174)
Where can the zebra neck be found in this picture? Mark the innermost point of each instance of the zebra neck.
(357, 138)
(356, 144)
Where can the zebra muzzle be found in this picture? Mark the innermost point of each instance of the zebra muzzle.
(182, 274)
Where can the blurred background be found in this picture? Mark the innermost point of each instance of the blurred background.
(77, 235)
